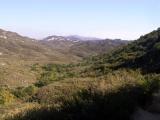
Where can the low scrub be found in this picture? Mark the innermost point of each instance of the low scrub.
(114, 97)
(55, 72)
(25, 93)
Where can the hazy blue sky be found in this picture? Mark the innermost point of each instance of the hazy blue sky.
(126, 19)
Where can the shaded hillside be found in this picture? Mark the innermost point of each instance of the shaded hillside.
(143, 53)
(96, 47)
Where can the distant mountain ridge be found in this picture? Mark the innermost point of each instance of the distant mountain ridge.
(59, 38)
(82, 46)
(53, 48)
(82, 38)
(73, 38)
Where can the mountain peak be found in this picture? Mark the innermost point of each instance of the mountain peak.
(73, 38)
(54, 38)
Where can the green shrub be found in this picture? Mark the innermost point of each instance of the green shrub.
(55, 72)
(25, 92)
(157, 46)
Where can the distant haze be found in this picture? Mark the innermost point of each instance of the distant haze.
(125, 19)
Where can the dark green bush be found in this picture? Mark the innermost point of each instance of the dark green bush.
(157, 46)
(24, 92)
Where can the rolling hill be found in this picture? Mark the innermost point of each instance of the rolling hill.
(59, 49)
(80, 46)
(15, 46)
(18, 54)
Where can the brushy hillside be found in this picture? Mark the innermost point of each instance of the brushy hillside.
(95, 47)
(141, 54)
(19, 54)
(109, 86)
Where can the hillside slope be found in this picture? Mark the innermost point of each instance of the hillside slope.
(143, 54)
(82, 48)
(15, 46)
(18, 54)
